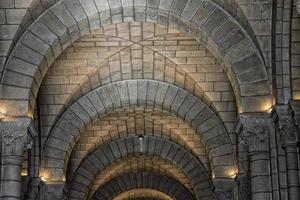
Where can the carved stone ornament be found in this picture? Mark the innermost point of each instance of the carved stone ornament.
(287, 131)
(14, 137)
(298, 6)
(257, 138)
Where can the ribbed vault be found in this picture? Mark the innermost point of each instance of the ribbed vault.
(140, 163)
(129, 146)
(140, 193)
(137, 93)
(137, 121)
(155, 181)
(67, 20)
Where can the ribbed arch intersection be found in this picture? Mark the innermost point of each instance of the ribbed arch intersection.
(130, 181)
(121, 148)
(145, 93)
(143, 194)
(66, 21)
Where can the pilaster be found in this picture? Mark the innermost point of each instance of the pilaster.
(14, 140)
(254, 131)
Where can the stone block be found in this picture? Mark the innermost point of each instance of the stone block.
(7, 4)
(186, 105)
(4, 47)
(191, 9)
(194, 111)
(67, 19)
(255, 88)
(8, 31)
(22, 66)
(123, 91)
(162, 91)
(88, 107)
(105, 99)
(178, 6)
(102, 5)
(114, 95)
(165, 5)
(92, 13)
(27, 54)
(203, 13)
(48, 36)
(79, 15)
(153, 4)
(81, 113)
(35, 43)
(56, 26)
(169, 98)
(2, 16)
(95, 100)
(16, 79)
(214, 21)
(15, 16)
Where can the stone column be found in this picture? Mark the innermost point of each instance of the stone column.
(288, 135)
(224, 189)
(13, 142)
(255, 132)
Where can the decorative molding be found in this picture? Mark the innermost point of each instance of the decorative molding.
(287, 131)
(257, 138)
(14, 136)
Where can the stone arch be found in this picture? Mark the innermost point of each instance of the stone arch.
(67, 20)
(134, 93)
(140, 163)
(159, 182)
(108, 153)
(140, 194)
(137, 121)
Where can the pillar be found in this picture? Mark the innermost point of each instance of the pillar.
(13, 142)
(224, 189)
(255, 131)
(288, 135)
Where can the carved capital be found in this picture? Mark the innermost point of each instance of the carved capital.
(14, 136)
(287, 131)
(256, 138)
(298, 6)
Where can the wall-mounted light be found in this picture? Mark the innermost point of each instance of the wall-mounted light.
(141, 140)
(43, 179)
(24, 172)
(269, 110)
(2, 116)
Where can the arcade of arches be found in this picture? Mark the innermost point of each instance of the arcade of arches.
(149, 99)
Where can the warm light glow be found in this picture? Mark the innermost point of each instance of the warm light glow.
(232, 173)
(267, 107)
(2, 112)
(45, 176)
(24, 172)
(270, 110)
(43, 179)
(30, 114)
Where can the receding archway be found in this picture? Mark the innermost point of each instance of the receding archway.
(134, 93)
(129, 181)
(121, 148)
